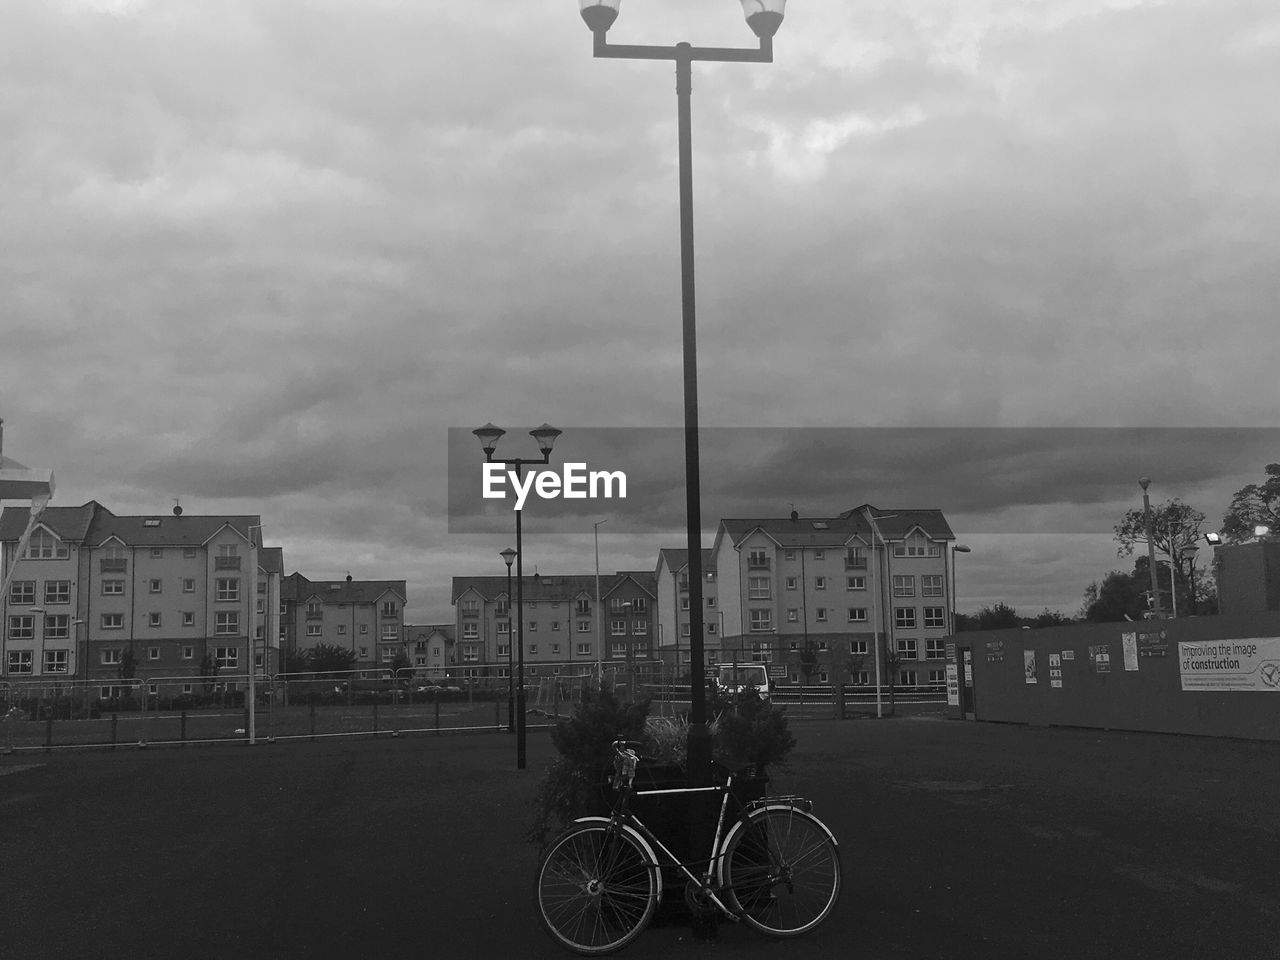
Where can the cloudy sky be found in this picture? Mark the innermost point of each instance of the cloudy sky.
(261, 256)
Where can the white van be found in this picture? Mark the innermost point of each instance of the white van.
(742, 676)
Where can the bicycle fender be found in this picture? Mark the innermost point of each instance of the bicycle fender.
(769, 803)
(638, 838)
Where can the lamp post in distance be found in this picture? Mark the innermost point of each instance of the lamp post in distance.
(764, 17)
(507, 556)
(545, 436)
(957, 548)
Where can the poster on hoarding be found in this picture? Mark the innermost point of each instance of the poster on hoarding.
(1251, 664)
(1055, 670)
(1029, 665)
(1100, 658)
(953, 685)
(1129, 643)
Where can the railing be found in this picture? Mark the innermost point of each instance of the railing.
(759, 563)
(106, 565)
(226, 563)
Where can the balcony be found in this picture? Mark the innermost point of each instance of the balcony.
(106, 565)
(855, 563)
(759, 563)
(226, 563)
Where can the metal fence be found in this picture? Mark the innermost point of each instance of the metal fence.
(52, 715)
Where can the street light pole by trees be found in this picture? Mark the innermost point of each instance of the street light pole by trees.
(764, 17)
(545, 435)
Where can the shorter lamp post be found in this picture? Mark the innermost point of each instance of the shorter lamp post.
(545, 435)
(958, 548)
(507, 556)
(1188, 553)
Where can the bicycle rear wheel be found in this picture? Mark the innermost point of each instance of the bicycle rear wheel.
(597, 888)
(782, 871)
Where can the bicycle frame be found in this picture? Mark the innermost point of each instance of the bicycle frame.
(709, 883)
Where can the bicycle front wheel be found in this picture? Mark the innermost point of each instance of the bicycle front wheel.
(782, 871)
(597, 888)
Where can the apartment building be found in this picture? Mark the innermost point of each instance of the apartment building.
(813, 596)
(566, 632)
(163, 599)
(363, 616)
(431, 646)
(671, 584)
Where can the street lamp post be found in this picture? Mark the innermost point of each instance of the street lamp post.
(545, 435)
(958, 548)
(507, 556)
(599, 612)
(1189, 554)
(1144, 482)
(764, 17)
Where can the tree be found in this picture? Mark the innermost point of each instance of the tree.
(1174, 527)
(1120, 596)
(208, 671)
(998, 617)
(128, 669)
(296, 661)
(1254, 504)
(808, 664)
(1048, 618)
(330, 658)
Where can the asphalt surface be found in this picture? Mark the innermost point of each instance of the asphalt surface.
(958, 840)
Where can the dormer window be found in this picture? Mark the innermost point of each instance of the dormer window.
(45, 546)
(916, 545)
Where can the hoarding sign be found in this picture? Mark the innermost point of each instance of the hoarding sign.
(1251, 664)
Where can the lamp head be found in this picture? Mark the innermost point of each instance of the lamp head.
(764, 16)
(489, 435)
(546, 437)
(599, 14)
(1144, 482)
(960, 548)
(1261, 530)
(1214, 538)
(507, 556)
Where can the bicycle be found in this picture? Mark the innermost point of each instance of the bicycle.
(775, 868)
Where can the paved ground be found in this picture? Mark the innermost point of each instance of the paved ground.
(959, 841)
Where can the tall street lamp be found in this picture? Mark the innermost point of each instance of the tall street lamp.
(507, 556)
(1144, 482)
(545, 435)
(958, 548)
(764, 17)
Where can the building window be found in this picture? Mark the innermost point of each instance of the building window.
(471, 631)
(313, 629)
(907, 678)
(153, 653)
(45, 546)
(22, 628)
(364, 629)
(469, 653)
(684, 603)
(861, 678)
(23, 592)
(113, 588)
(904, 618)
(819, 583)
(584, 649)
(188, 585)
(931, 585)
(533, 649)
(788, 554)
(684, 630)
(934, 648)
(504, 628)
(157, 553)
(112, 657)
(153, 618)
(937, 678)
(854, 560)
(858, 647)
(639, 628)
(20, 661)
(533, 626)
(935, 616)
(857, 614)
(855, 583)
(710, 627)
(390, 631)
(762, 653)
(761, 620)
(189, 552)
(57, 591)
(907, 648)
(504, 649)
(822, 614)
(226, 623)
(758, 560)
(228, 557)
(57, 626)
(342, 629)
(641, 604)
(154, 585)
(759, 588)
(226, 658)
(904, 586)
(916, 545)
(389, 608)
(582, 607)
(793, 615)
(112, 621)
(617, 628)
(555, 626)
(618, 604)
(584, 626)
(228, 589)
(711, 602)
(188, 652)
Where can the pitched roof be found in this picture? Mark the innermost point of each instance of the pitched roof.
(420, 631)
(897, 523)
(678, 559)
(538, 588)
(801, 531)
(271, 559)
(166, 530)
(68, 523)
(299, 588)
(646, 580)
